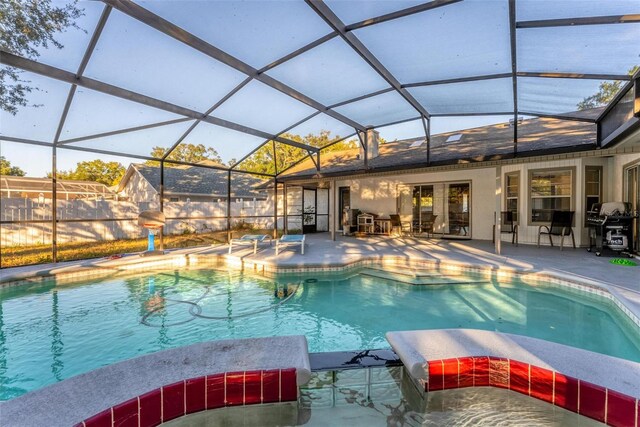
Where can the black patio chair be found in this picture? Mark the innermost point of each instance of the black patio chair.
(561, 225)
(509, 225)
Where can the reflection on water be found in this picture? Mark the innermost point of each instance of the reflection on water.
(50, 331)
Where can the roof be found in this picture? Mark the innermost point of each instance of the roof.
(540, 135)
(43, 185)
(197, 181)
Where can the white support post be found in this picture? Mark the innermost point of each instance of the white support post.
(497, 228)
(333, 209)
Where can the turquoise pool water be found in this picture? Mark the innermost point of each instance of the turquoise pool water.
(51, 331)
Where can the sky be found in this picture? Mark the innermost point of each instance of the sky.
(473, 40)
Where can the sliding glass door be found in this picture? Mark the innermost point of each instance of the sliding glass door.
(458, 209)
(436, 208)
(632, 195)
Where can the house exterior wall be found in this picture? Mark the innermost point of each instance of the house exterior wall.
(139, 190)
(528, 230)
(616, 174)
(379, 194)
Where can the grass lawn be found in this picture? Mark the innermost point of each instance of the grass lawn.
(14, 256)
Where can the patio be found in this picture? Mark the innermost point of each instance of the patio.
(322, 251)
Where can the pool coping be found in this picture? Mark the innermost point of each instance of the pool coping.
(235, 367)
(130, 264)
(598, 386)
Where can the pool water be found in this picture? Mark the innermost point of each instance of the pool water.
(51, 331)
(381, 397)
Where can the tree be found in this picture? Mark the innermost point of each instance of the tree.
(7, 169)
(607, 91)
(189, 153)
(26, 26)
(262, 160)
(107, 173)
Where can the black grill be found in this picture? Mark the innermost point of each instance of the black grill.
(611, 226)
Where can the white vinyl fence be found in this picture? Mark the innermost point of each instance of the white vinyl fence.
(98, 220)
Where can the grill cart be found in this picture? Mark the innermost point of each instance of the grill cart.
(611, 226)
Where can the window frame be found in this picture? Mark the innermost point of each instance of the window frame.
(572, 198)
(506, 193)
(600, 170)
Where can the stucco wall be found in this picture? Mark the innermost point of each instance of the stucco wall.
(616, 171)
(379, 195)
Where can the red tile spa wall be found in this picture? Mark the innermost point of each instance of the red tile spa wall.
(590, 400)
(197, 394)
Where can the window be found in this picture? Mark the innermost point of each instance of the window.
(592, 186)
(454, 138)
(512, 193)
(550, 190)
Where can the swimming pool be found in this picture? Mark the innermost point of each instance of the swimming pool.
(51, 331)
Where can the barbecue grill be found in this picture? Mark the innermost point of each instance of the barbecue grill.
(611, 226)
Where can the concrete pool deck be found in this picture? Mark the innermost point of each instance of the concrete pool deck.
(321, 251)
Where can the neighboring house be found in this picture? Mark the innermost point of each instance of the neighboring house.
(22, 187)
(141, 183)
(471, 174)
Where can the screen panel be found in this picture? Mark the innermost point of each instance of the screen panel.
(74, 40)
(561, 96)
(608, 49)
(320, 130)
(378, 110)
(473, 138)
(94, 112)
(355, 11)
(25, 205)
(260, 107)
(148, 142)
(412, 129)
(221, 145)
(134, 56)
(460, 40)
(530, 10)
(330, 73)
(251, 31)
(544, 134)
(483, 96)
(39, 119)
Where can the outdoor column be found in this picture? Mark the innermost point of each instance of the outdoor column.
(497, 216)
(161, 203)
(286, 213)
(229, 206)
(332, 209)
(54, 204)
(275, 208)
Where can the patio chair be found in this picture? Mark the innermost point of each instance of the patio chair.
(561, 225)
(427, 223)
(250, 239)
(509, 225)
(290, 240)
(397, 224)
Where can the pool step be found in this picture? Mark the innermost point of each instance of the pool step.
(420, 277)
